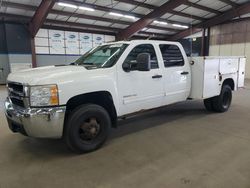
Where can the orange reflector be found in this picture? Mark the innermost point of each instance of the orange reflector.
(54, 99)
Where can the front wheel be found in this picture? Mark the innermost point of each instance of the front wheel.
(87, 128)
(220, 103)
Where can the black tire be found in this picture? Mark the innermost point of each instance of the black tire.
(87, 128)
(220, 103)
(208, 103)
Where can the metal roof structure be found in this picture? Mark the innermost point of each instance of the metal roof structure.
(168, 19)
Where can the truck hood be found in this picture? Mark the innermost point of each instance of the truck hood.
(45, 75)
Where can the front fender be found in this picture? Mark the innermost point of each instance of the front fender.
(83, 84)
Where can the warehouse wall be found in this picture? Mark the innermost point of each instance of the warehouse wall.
(55, 47)
(46, 60)
(15, 48)
(4, 61)
(232, 39)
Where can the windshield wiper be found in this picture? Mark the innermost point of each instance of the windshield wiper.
(88, 63)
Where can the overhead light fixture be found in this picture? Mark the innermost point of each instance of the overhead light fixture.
(67, 5)
(115, 14)
(181, 26)
(74, 6)
(86, 8)
(121, 15)
(162, 23)
(130, 17)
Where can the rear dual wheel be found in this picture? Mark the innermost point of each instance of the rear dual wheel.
(220, 103)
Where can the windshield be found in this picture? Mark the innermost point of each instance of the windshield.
(102, 56)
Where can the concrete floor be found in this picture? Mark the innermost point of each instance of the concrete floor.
(179, 146)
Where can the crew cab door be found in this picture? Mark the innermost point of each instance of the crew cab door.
(176, 73)
(139, 90)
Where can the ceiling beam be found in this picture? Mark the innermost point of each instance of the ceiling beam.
(232, 13)
(138, 3)
(152, 7)
(84, 16)
(229, 2)
(13, 18)
(83, 30)
(40, 16)
(74, 29)
(72, 26)
(186, 15)
(149, 6)
(148, 19)
(107, 9)
(207, 9)
(96, 27)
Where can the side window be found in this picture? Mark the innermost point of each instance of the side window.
(172, 55)
(143, 48)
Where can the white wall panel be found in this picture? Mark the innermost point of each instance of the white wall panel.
(86, 42)
(42, 33)
(109, 38)
(238, 49)
(97, 39)
(56, 41)
(247, 54)
(41, 41)
(69, 43)
(225, 50)
(72, 43)
(42, 50)
(214, 50)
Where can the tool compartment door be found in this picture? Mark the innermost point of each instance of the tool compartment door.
(241, 72)
(229, 65)
(211, 85)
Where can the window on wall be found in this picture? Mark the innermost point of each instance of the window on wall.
(171, 55)
(143, 48)
(67, 43)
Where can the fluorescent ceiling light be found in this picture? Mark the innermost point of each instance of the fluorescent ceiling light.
(115, 14)
(162, 23)
(130, 17)
(121, 15)
(67, 5)
(86, 8)
(181, 26)
(74, 6)
(156, 22)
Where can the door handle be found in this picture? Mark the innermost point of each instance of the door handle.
(184, 73)
(157, 76)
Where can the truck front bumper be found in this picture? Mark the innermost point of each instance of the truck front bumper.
(36, 122)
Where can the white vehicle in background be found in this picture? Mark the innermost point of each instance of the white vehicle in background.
(82, 101)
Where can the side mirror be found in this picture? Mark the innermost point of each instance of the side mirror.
(126, 67)
(143, 62)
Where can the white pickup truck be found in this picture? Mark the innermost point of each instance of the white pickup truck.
(80, 102)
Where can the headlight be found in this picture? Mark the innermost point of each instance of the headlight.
(44, 95)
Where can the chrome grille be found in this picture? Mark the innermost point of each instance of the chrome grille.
(17, 94)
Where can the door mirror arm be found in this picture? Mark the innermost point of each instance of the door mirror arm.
(126, 67)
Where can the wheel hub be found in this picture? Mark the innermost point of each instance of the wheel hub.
(89, 129)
